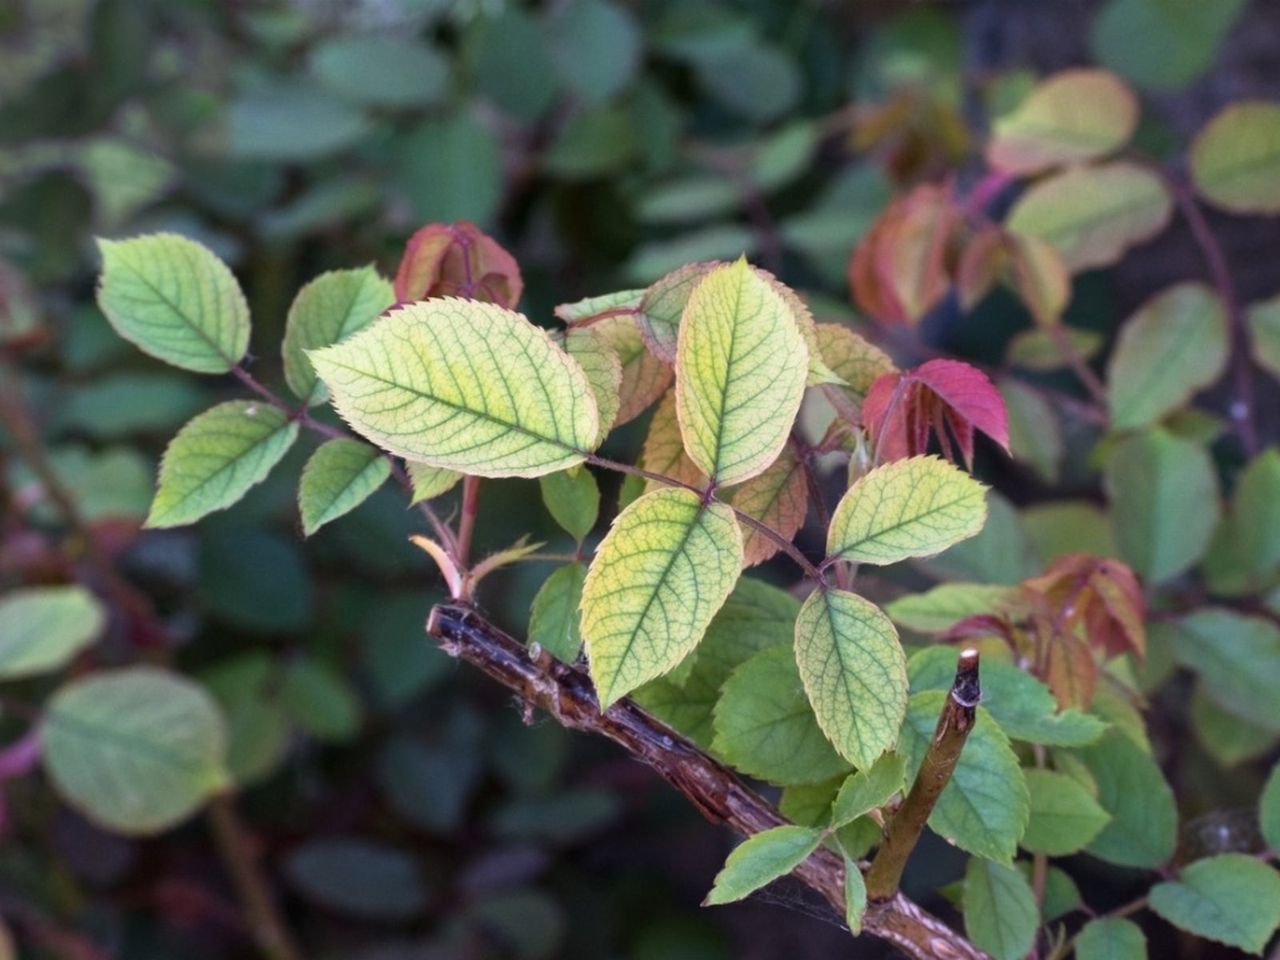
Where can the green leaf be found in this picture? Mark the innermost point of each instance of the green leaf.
(909, 508)
(43, 628)
(1235, 161)
(598, 48)
(1035, 432)
(573, 499)
(855, 896)
(360, 878)
(854, 672)
(320, 700)
(604, 374)
(1173, 347)
(939, 608)
(1022, 705)
(984, 808)
(1144, 821)
(327, 310)
(340, 476)
(1093, 214)
(217, 457)
(1229, 738)
(246, 687)
(1111, 939)
(510, 62)
(1264, 330)
(380, 71)
(1254, 522)
(430, 482)
(868, 789)
(464, 385)
(1181, 38)
(289, 121)
(761, 859)
(1064, 815)
(741, 366)
(175, 300)
(451, 169)
(136, 751)
(765, 726)
(1164, 502)
(554, 617)
(665, 568)
(1238, 660)
(1048, 129)
(1269, 810)
(1000, 912)
(1233, 899)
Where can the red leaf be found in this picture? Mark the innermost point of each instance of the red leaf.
(947, 398)
(1095, 597)
(458, 260)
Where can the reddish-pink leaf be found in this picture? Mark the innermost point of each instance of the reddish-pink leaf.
(458, 260)
(1096, 598)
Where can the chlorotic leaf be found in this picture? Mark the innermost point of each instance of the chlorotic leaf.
(1235, 161)
(217, 457)
(554, 616)
(855, 896)
(741, 366)
(1072, 116)
(175, 300)
(908, 508)
(1175, 345)
(1232, 898)
(857, 361)
(663, 305)
(42, 628)
(761, 859)
(340, 476)
(603, 370)
(1000, 912)
(664, 448)
(429, 482)
(1094, 214)
(1269, 810)
(1111, 938)
(573, 499)
(854, 672)
(327, 310)
(868, 789)
(644, 376)
(1143, 827)
(1064, 815)
(136, 750)
(778, 498)
(658, 578)
(463, 385)
(591, 308)
(984, 808)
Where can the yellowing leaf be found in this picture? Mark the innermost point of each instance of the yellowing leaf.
(658, 578)
(174, 299)
(1094, 214)
(741, 367)
(1175, 345)
(216, 458)
(854, 672)
(778, 498)
(855, 360)
(1235, 161)
(909, 508)
(326, 311)
(663, 304)
(604, 374)
(644, 376)
(1069, 117)
(340, 476)
(463, 385)
(664, 448)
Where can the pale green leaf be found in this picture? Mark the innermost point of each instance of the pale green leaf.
(854, 672)
(464, 385)
(627, 301)
(1264, 330)
(855, 896)
(1235, 161)
(1064, 815)
(43, 628)
(217, 457)
(326, 311)
(984, 808)
(1144, 821)
(430, 482)
(939, 608)
(1233, 899)
(136, 751)
(1000, 912)
(1174, 346)
(1092, 215)
(909, 508)
(658, 578)
(1111, 938)
(868, 789)
(1269, 810)
(761, 859)
(1070, 117)
(340, 476)
(1238, 660)
(174, 299)
(765, 726)
(572, 498)
(1038, 349)
(603, 370)
(554, 616)
(1164, 503)
(741, 367)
